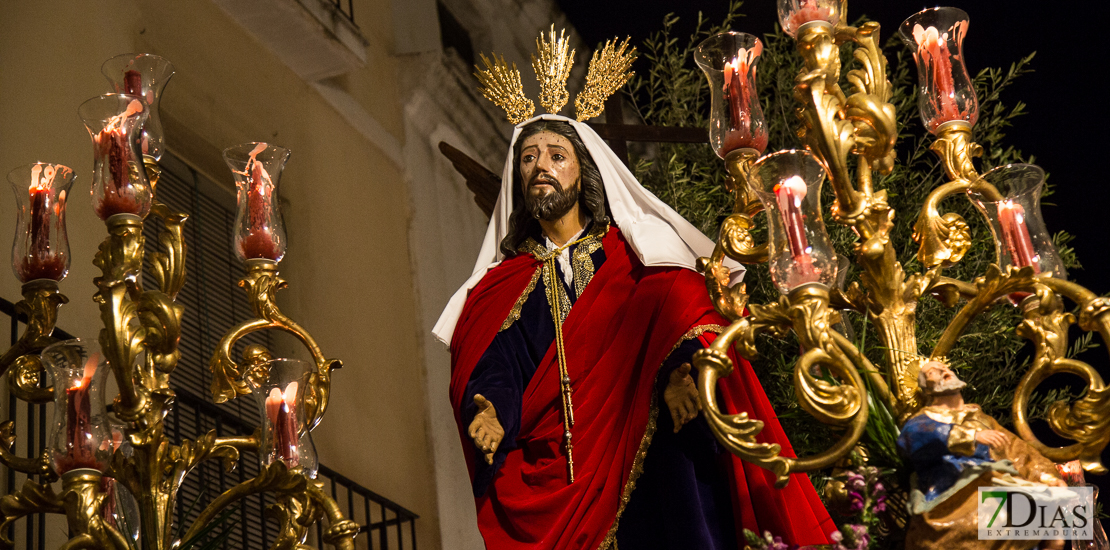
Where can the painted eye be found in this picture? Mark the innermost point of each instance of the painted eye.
(558, 157)
(528, 158)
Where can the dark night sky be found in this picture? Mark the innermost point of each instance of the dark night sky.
(1061, 129)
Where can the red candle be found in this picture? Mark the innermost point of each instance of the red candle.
(789, 195)
(259, 242)
(282, 413)
(119, 195)
(133, 85)
(80, 447)
(932, 49)
(809, 11)
(133, 82)
(1072, 472)
(739, 94)
(41, 262)
(1015, 234)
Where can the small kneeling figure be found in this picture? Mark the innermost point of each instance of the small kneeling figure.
(955, 448)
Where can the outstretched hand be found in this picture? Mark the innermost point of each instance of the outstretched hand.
(485, 429)
(681, 396)
(992, 438)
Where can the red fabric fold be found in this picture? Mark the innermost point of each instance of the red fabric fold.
(617, 335)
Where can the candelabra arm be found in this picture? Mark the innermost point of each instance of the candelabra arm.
(944, 239)
(989, 287)
(120, 258)
(341, 532)
(806, 311)
(82, 498)
(949, 290)
(38, 466)
(230, 380)
(879, 387)
(40, 303)
(823, 130)
(735, 238)
(33, 498)
(242, 442)
(275, 477)
(160, 317)
(1087, 420)
(168, 268)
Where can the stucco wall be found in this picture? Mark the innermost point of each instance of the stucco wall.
(347, 206)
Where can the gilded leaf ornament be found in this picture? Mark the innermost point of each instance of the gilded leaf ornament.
(552, 66)
(502, 86)
(610, 70)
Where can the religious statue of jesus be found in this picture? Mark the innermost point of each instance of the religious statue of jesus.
(571, 382)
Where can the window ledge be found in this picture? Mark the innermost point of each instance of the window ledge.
(312, 37)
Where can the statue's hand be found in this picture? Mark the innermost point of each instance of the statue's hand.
(992, 438)
(681, 396)
(485, 430)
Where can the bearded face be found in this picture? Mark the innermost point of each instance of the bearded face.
(550, 176)
(939, 379)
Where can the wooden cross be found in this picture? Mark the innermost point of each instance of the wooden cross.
(486, 184)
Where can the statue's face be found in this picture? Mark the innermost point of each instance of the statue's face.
(550, 175)
(939, 378)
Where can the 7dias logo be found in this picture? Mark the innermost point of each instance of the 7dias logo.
(1036, 513)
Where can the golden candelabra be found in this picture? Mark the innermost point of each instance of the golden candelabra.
(139, 341)
(837, 126)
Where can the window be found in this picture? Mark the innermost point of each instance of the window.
(454, 35)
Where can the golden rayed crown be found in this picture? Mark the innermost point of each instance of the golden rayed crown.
(610, 68)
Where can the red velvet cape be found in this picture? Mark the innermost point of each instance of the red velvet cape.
(617, 335)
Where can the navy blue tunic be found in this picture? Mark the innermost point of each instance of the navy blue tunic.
(682, 498)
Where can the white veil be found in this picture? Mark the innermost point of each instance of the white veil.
(658, 234)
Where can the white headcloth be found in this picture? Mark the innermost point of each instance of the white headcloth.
(658, 234)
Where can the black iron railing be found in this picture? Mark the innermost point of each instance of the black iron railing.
(385, 524)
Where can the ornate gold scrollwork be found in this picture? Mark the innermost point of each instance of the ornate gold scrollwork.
(120, 258)
(989, 287)
(40, 303)
(945, 239)
(34, 498)
(155, 471)
(168, 268)
(39, 466)
(299, 499)
(82, 499)
(1087, 420)
(228, 377)
(735, 239)
(806, 311)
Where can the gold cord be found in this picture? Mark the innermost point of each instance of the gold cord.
(554, 288)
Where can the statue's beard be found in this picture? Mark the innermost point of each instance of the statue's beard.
(554, 205)
(947, 388)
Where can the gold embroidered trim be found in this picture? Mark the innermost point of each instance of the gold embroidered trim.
(555, 291)
(610, 542)
(514, 314)
(582, 264)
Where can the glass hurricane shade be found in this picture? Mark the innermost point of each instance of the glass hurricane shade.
(259, 229)
(40, 249)
(729, 61)
(145, 76)
(1020, 236)
(788, 183)
(945, 90)
(119, 184)
(281, 402)
(79, 435)
(795, 13)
